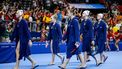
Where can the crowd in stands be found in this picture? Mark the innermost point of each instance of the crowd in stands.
(38, 15)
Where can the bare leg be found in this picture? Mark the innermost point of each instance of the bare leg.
(53, 59)
(85, 57)
(33, 63)
(65, 63)
(53, 55)
(61, 57)
(82, 61)
(17, 56)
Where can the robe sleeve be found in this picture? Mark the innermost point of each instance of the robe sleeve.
(77, 30)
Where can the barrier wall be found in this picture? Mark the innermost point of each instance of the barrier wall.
(7, 50)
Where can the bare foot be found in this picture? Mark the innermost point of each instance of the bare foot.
(33, 64)
(15, 67)
(51, 63)
(82, 66)
(99, 63)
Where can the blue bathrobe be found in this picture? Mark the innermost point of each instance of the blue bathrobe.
(87, 32)
(72, 36)
(55, 35)
(100, 30)
(21, 33)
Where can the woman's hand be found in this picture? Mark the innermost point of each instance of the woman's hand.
(30, 43)
(46, 44)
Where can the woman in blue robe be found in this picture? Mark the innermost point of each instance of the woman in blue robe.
(55, 38)
(100, 30)
(86, 31)
(72, 38)
(21, 34)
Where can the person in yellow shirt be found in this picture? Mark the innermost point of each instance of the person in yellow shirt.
(46, 19)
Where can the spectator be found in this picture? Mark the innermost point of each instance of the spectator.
(59, 17)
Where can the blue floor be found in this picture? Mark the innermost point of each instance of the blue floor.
(114, 62)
